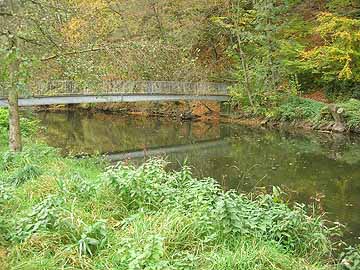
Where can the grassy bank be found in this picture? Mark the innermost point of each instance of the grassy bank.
(297, 111)
(63, 213)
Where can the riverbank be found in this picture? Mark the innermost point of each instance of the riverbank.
(284, 111)
(180, 110)
(293, 112)
(60, 212)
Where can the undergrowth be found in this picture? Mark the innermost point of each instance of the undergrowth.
(285, 107)
(63, 213)
(352, 112)
(28, 124)
(296, 108)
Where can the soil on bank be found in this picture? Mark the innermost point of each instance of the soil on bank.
(182, 110)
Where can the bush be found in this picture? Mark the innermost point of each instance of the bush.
(150, 188)
(282, 107)
(296, 108)
(352, 113)
(28, 125)
(350, 259)
(42, 216)
(343, 90)
(93, 238)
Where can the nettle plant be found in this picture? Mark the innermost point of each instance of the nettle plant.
(43, 216)
(216, 214)
(93, 238)
(350, 258)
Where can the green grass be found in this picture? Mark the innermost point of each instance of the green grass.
(64, 213)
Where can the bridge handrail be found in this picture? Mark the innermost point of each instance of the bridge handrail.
(106, 87)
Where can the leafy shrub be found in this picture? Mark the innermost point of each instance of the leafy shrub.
(150, 187)
(28, 172)
(5, 192)
(139, 188)
(350, 259)
(28, 125)
(93, 238)
(296, 108)
(149, 218)
(263, 101)
(352, 112)
(149, 254)
(44, 215)
(6, 159)
(36, 155)
(280, 106)
(77, 185)
(343, 89)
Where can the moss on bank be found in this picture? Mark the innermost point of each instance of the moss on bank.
(64, 213)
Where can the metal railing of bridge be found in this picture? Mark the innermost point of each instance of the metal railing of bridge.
(108, 87)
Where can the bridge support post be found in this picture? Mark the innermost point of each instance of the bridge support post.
(225, 108)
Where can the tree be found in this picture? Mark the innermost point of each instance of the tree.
(255, 27)
(338, 57)
(239, 23)
(10, 31)
(19, 38)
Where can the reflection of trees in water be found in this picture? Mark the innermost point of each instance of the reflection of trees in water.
(81, 132)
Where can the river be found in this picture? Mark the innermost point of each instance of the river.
(312, 168)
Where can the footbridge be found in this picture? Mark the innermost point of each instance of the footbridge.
(72, 92)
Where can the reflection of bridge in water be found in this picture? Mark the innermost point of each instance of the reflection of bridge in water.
(157, 151)
(71, 92)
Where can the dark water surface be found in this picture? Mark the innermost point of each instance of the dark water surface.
(311, 168)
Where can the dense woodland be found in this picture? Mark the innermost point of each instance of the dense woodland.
(265, 44)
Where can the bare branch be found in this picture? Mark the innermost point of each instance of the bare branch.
(48, 37)
(118, 12)
(4, 33)
(6, 14)
(32, 41)
(73, 53)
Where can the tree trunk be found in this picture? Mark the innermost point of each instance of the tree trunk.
(14, 118)
(337, 113)
(158, 20)
(245, 70)
(14, 122)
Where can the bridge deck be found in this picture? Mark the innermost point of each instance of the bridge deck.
(77, 99)
(71, 92)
